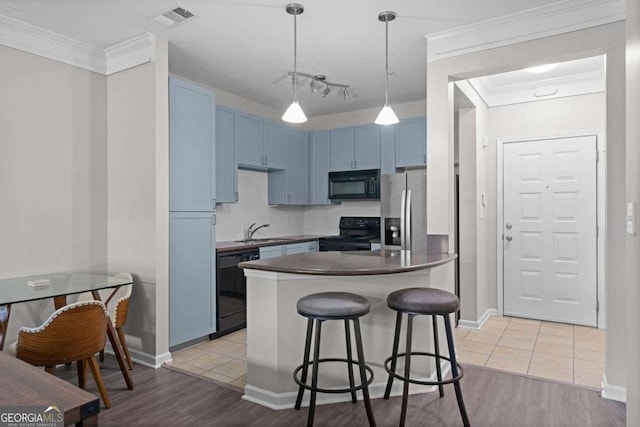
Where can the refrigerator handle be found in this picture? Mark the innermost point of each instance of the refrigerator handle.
(403, 205)
(407, 221)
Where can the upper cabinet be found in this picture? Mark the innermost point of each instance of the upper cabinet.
(275, 135)
(411, 142)
(355, 148)
(342, 141)
(192, 154)
(296, 167)
(387, 149)
(249, 142)
(367, 147)
(319, 164)
(226, 174)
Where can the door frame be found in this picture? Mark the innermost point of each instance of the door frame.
(601, 198)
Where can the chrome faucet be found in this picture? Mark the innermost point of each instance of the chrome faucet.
(251, 231)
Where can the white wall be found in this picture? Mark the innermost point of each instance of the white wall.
(53, 173)
(633, 194)
(233, 219)
(138, 196)
(604, 39)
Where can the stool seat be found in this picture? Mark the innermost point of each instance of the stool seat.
(333, 305)
(423, 301)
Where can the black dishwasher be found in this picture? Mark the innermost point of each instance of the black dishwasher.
(231, 290)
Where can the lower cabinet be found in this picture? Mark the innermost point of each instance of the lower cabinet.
(267, 252)
(192, 277)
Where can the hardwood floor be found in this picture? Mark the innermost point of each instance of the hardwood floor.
(165, 397)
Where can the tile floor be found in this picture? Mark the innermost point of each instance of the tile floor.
(556, 351)
(223, 359)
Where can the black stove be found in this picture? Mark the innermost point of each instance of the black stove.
(356, 234)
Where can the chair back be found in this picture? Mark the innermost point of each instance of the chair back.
(120, 302)
(73, 332)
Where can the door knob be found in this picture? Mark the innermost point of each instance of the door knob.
(508, 225)
(509, 238)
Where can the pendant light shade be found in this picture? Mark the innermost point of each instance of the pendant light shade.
(386, 115)
(294, 113)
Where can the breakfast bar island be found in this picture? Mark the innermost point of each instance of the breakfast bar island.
(276, 332)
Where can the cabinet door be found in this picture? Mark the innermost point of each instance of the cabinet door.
(319, 161)
(226, 168)
(411, 142)
(275, 136)
(388, 149)
(312, 246)
(248, 140)
(192, 305)
(296, 155)
(271, 252)
(342, 141)
(296, 248)
(367, 147)
(192, 156)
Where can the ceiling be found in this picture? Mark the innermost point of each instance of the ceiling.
(571, 78)
(245, 47)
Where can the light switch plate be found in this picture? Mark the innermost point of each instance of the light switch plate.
(631, 218)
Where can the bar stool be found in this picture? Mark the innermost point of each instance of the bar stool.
(333, 306)
(428, 302)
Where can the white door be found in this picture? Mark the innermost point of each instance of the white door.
(550, 230)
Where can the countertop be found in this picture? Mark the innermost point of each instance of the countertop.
(273, 241)
(357, 263)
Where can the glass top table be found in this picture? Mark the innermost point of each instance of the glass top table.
(17, 290)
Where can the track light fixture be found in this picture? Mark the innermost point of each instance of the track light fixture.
(318, 81)
(294, 113)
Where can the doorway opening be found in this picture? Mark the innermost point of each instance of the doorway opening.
(530, 149)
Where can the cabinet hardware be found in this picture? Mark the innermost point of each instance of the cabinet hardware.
(266, 160)
(425, 159)
(236, 196)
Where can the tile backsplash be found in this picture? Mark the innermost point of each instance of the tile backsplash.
(252, 206)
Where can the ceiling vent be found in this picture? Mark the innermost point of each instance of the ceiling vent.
(174, 16)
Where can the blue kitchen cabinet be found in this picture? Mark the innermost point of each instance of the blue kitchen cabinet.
(248, 140)
(192, 296)
(226, 168)
(192, 154)
(367, 147)
(342, 141)
(319, 164)
(267, 252)
(275, 135)
(387, 149)
(411, 142)
(296, 167)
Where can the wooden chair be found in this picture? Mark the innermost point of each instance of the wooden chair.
(118, 311)
(73, 333)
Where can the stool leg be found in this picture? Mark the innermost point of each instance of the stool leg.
(305, 367)
(396, 342)
(407, 369)
(363, 373)
(347, 333)
(314, 375)
(437, 347)
(454, 370)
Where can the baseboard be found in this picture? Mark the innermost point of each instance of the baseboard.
(613, 392)
(287, 400)
(471, 324)
(143, 358)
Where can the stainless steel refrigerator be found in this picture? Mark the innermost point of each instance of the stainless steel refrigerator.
(403, 210)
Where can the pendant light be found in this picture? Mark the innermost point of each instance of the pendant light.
(294, 113)
(386, 115)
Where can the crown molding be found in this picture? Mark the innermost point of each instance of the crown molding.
(130, 53)
(48, 44)
(544, 21)
(579, 84)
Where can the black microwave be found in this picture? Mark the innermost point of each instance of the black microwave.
(355, 185)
